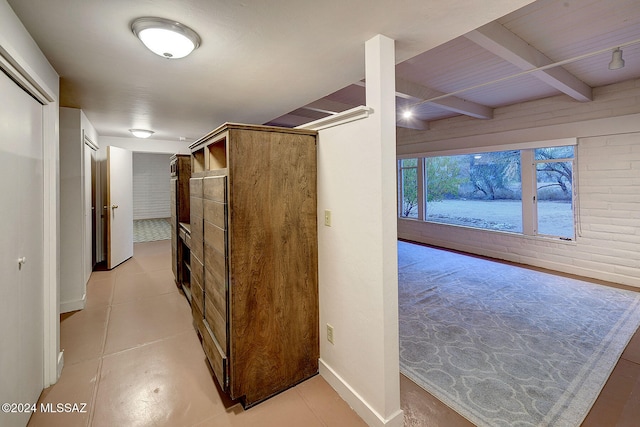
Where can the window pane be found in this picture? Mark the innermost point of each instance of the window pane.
(409, 191)
(564, 152)
(409, 163)
(476, 190)
(555, 201)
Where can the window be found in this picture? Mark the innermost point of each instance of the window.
(554, 191)
(485, 190)
(476, 190)
(408, 179)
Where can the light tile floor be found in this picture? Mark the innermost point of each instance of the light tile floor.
(133, 357)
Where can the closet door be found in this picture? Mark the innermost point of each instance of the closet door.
(21, 250)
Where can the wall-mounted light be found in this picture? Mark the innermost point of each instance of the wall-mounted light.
(407, 114)
(169, 39)
(616, 59)
(141, 133)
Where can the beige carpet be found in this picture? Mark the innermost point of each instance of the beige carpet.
(504, 345)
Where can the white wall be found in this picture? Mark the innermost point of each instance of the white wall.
(138, 145)
(75, 227)
(151, 186)
(20, 50)
(607, 245)
(358, 253)
(72, 283)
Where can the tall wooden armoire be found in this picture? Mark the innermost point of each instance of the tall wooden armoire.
(254, 257)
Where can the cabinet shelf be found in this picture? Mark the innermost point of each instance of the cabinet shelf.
(180, 167)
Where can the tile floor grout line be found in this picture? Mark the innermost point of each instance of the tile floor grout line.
(94, 397)
(168, 337)
(145, 298)
(310, 408)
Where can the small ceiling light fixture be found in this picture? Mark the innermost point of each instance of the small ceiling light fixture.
(407, 114)
(169, 39)
(616, 59)
(141, 133)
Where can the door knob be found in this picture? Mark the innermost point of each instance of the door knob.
(114, 206)
(21, 262)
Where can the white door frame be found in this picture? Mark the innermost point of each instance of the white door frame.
(19, 70)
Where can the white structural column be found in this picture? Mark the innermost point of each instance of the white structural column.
(380, 91)
(357, 251)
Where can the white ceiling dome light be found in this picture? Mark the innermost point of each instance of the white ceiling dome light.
(141, 133)
(164, 37)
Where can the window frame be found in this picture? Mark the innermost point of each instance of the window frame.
(534, 172)
(420, 187)
(528, 180)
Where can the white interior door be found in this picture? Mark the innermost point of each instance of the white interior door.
(119, 207)
(21, 250)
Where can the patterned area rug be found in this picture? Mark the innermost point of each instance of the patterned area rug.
(508, 346)
(150, 230)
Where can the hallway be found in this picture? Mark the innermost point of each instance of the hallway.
(133, 357)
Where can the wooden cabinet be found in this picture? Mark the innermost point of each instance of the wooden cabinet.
(254, 257)
(180, 165)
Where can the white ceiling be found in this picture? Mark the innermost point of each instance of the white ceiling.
(261, 61)
(541, 33)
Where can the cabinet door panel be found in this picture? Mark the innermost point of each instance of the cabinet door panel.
(217, 322)
(215, 213)
(197, 226)
(197, 248)
(197, 269)
(214, 188)
(216, 237)
(195, 187)
(216, 357)
(216, 288)
(196, 208)
(197, 293)
(215, 263)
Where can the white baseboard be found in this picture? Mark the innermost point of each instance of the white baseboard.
(68, 306)
(357, 402)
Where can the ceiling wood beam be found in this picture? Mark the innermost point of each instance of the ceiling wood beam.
(414, 91)
(418, 93)
(411, 123)
(500, 41)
